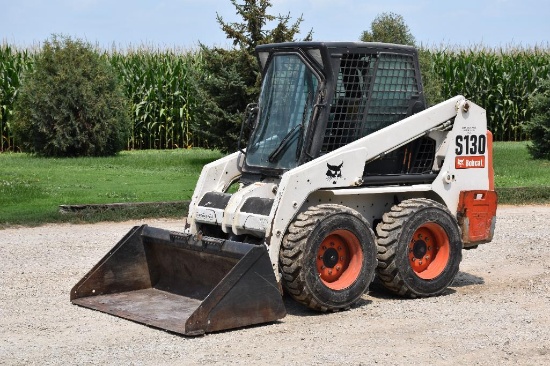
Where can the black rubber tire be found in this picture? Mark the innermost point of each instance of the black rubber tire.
(300, 250)
(395, 237)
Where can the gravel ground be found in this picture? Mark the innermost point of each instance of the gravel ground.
(496, 312)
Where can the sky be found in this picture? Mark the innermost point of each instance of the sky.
(183, 24)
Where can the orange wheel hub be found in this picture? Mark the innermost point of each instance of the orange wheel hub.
(429, 251)
(339, 259)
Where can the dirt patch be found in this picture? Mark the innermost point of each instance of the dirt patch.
(496, 312)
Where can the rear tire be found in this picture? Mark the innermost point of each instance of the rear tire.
(328, 257)
(419, 248)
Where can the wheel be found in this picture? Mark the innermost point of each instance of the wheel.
(419, 248)
(328, 257)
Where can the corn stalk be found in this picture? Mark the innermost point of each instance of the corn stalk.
(13, 63)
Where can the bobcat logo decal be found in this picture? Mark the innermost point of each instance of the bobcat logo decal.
(334, 172)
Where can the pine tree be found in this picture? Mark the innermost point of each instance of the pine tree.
(232, 78)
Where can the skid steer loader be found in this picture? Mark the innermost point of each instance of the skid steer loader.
(346, 176)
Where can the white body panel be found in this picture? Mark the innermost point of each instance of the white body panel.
(311, 183)
(215, 177)
(238, 222)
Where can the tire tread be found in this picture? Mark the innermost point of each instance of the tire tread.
(291, 255)
(387, 242)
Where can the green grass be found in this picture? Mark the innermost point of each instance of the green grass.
(519, 179)
(514, 167)
(32, 188)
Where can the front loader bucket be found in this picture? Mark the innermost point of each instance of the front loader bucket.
(171, 281)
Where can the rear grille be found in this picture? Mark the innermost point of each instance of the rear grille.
(424, 159)
(390, 79)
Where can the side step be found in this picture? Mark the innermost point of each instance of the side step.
(171, 281)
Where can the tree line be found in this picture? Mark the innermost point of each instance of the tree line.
(159, 99)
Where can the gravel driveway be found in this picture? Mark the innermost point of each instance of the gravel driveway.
(496, 312)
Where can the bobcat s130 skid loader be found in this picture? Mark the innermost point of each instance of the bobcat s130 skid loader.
(346, 176)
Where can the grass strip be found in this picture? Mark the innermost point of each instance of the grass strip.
(32, 189)
(523, 195)
(126, 211)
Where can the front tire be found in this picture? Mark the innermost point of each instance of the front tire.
(419, 248)
(328, 257)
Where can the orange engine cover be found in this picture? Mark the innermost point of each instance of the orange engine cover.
(477, 216)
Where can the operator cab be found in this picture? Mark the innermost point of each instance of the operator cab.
(319, 96)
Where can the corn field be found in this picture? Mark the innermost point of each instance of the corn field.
(13, 63)
(160, 85)
(165, 107)
(163, 96)
(498, 80)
